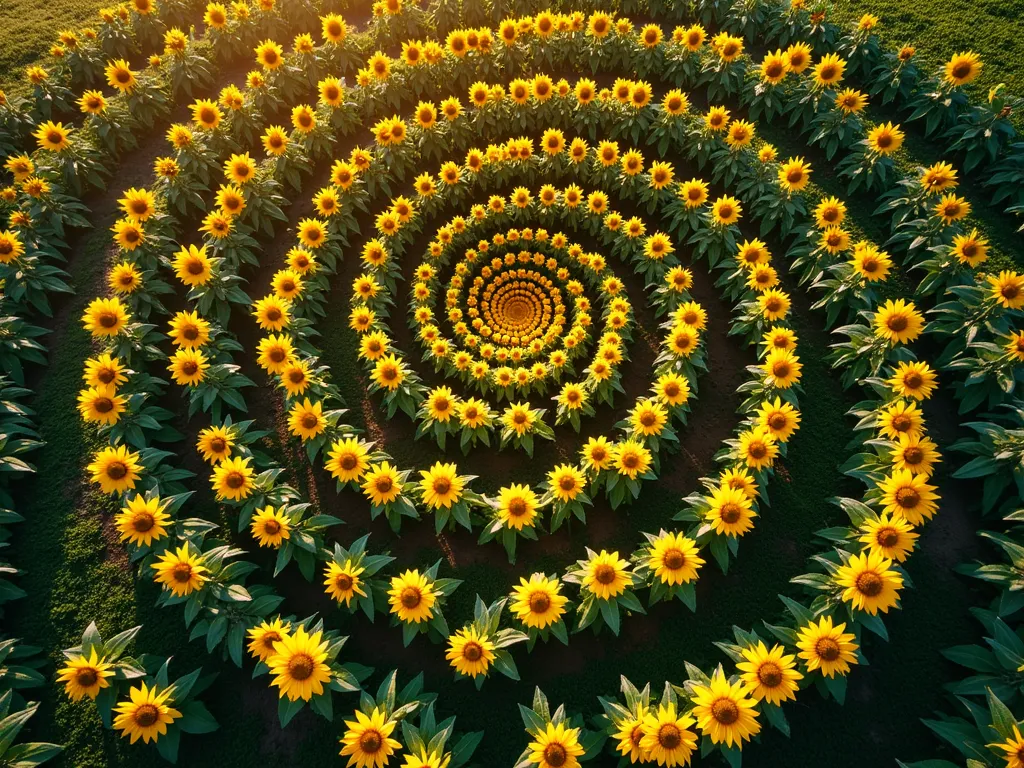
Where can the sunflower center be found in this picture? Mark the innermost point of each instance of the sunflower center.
(901, 422)
(870, 584)
(604, 574)
(913, 380)
(272, 527)
(146, 715)
(108, 319)
(780, 370)
(87, 677)
(827, 649)
(343, 582)
(730, 513)
(630, 461)
(442, 486)
(908, 498)
(116, 470)
(196, 267)
(234, 480)
(777, 421)
(961, 69)
(410, 597)
(270, 638)
(182, 572)
(189, 368)
(384, 484)
(774, 70)
(828, 72)
(555, 755)
(669, 736)
(218, 445)
(725, 212)
(897, 323)
(888, 537)
(884, 141)
(473, 652)
(539, 602)
(757, 450)
(649, 419)
(794, 176)
(310, 421)
(143, 521)
(671, 390)
(300, 666)
(103, 405)
(348, 461)
(725, 711)
(674, 559)
(1011, 291)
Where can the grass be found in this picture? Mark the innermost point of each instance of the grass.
(72, 576)
(29, 28)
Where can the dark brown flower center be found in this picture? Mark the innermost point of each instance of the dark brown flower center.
(604, 574)
(730, 513)
(669, 736)
(103, 405)
(235, 480)
(827, 649)
(472, 652)
(411, 597)
(117, 470)
(300, 666)
(870, 584)
(725, 711)
(146, 715)
(143, 521)
(182, 572)
(555, 755)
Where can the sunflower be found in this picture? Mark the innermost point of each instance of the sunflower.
(348, 459)
(597, 453)
(870, 263)
(11, 247)
(606, 576)
(1015, 345)
(892, 538)
(885, 138)
(232, 479)
(970, 249)
(52, 136)
(299, 665)
(1007, 289)
(215, 443)
(275, 140)
(794, 174)
(333, 28)
(388, 372)
(917, 455)
(470, 652)
(142, 521)
(914, 379)
(780, 419)
(270, 527)
(188, 366)
(730, 511)
(740, 134)
(666, 737)
(382, 484)
(774, 304)
(757, 448)
(828, 71)
(556, 746)
(774, 67)
(120, 76)
(342, 581)
(104, 371)
(180, 570)
(263, 636)
(517, 506)
(871, 585)
(306, 419)
(240, 168)
(566, 482)
(367, 739)
(769, 675)
(146, 714)
(192, 266)
(962, 68)
(115, 469)
(85, 675)
(124, 278)
(101, 404)
(908, 495)
(901, 418)
(105, 317)
(674, 559)
(269, 55)
(726, 210)
(206, 114)
(951, 208)
(412, 597)
(898, 321)
(538, 603)
(441, 486)
(630, 735)
(631, 459)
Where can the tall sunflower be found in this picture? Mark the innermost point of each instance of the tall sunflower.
(367, 740)
(557, 746)
(146, 714)
(470, 652)
(412, 597)
(769, 675)
(826, 647)
(299, 665)
(85, 675)
(115, 469)
(181, 571)
(667, 738)
(725, 712)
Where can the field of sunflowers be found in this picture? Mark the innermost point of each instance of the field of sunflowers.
(511, 384)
